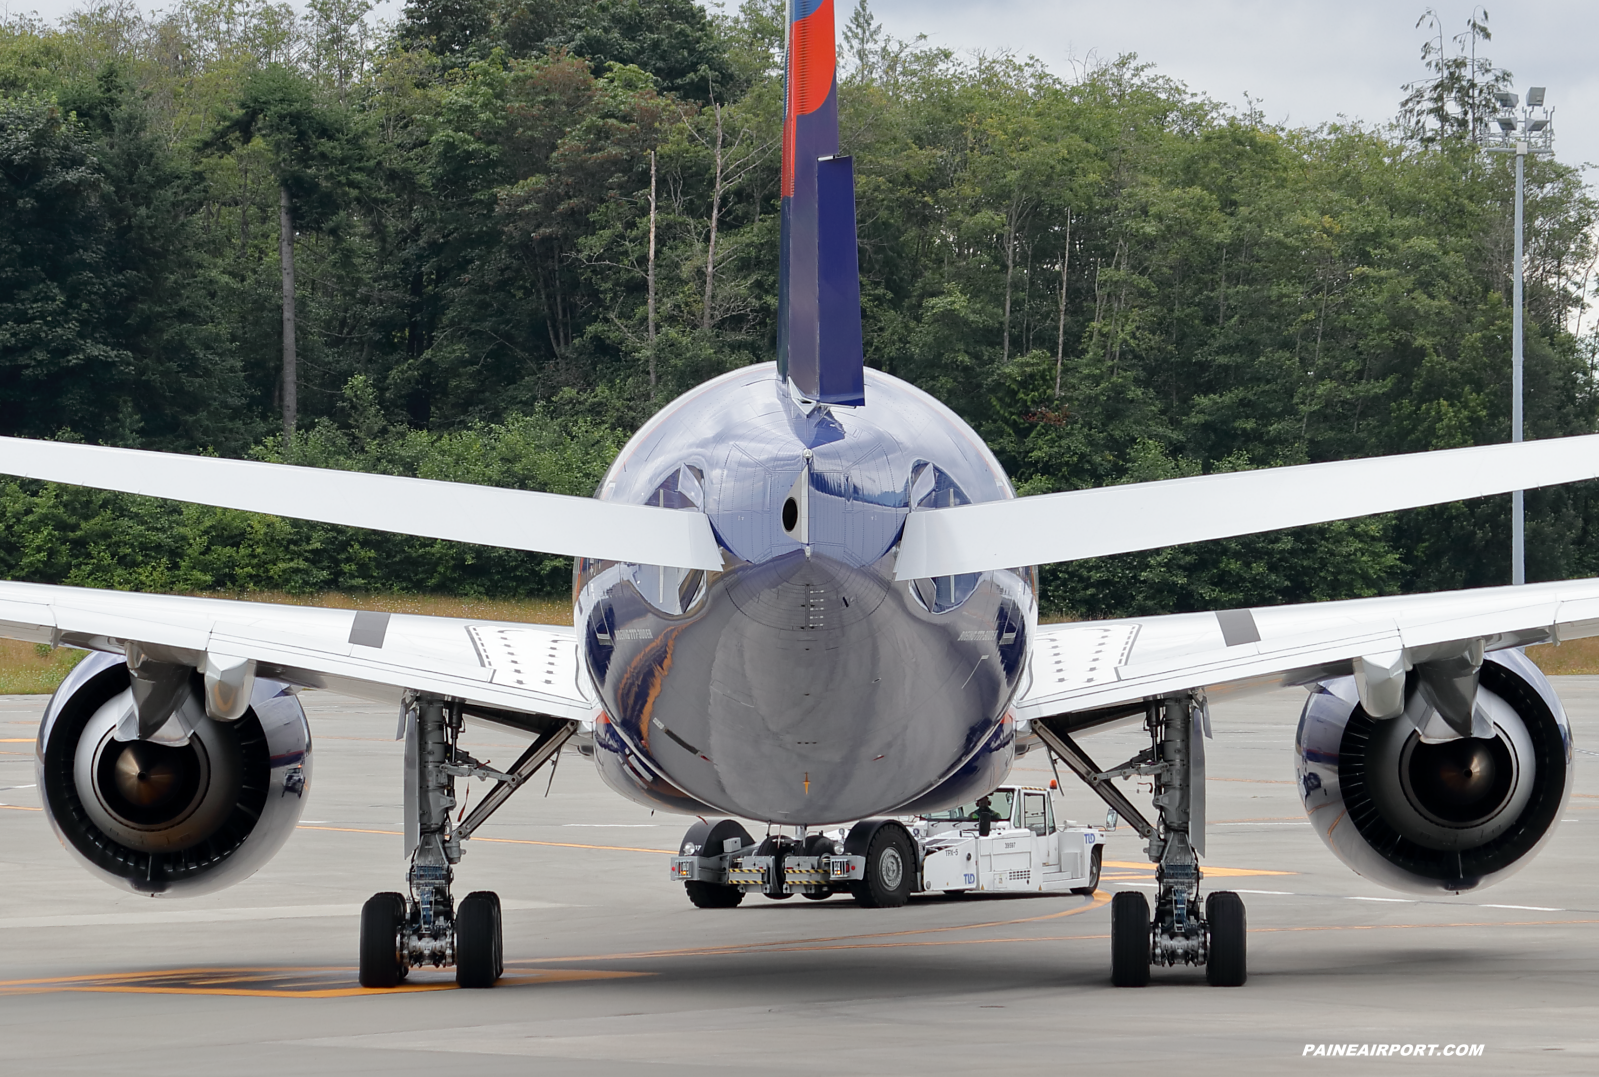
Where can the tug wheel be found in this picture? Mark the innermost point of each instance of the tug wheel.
(817, 845)
(890, 864)
(713, 895)
(1093, 872)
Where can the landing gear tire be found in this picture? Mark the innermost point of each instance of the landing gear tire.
(381, 962)
(1093, 872)
(1227, 965)
(1129, 939)
(713, 895)
(890, 869)
(479, 942)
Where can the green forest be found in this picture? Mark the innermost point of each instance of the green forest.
(486, 242)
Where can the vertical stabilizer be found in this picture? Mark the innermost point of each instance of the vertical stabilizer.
(819, 290)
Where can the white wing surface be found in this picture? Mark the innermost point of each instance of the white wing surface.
(521, 667)
(1095, 664)
(460, 512)
(1143, 516)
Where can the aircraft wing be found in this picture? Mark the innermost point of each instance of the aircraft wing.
(508, 666)
(1101, 664)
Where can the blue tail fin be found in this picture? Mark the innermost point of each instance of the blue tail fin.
(819, 288)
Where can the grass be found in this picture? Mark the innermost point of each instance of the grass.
(29, 668)
(1578, 656)
(549, 611)
(33, 668)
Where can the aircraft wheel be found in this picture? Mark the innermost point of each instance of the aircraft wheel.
(1093, 872)
(1129, 939)
(1228, 965)
(381, 963)
(479, 944)
(713, 895)
(890, 869)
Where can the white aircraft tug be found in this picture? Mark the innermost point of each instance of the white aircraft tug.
(1007, 842)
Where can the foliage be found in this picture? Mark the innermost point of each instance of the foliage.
(1111, 277)
(89, 538)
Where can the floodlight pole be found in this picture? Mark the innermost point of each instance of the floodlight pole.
(1518, 522)
(1523, 133)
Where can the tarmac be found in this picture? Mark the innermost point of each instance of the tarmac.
(611, 971)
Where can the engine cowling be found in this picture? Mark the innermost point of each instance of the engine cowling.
(1449, 816)
(166, 818)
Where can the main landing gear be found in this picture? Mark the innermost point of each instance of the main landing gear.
(426, 927)
(1175, 932)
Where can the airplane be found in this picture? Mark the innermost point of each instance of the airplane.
(805, 594)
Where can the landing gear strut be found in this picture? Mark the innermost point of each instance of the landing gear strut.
(1178, 932)
(399, 932)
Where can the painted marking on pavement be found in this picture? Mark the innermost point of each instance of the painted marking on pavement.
(281, 982)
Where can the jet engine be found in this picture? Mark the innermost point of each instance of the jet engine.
(1417, 807)
(197, 805)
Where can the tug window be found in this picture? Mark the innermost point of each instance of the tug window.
(1035, 813)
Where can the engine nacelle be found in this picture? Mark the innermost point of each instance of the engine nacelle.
(1451, 815)
(164, 817)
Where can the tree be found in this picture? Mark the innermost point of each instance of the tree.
(56, 275)
(1458, 98)
(338, 41)
(316, 162)
(674, 40)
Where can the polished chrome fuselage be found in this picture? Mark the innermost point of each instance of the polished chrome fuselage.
(802, 684)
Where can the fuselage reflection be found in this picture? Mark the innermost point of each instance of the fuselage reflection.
(801, 684)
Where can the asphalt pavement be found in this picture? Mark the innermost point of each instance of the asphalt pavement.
(611, 971)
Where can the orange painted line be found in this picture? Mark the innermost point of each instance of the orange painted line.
(575, 845)
(19, 740)
(110, 976)
(18, 807)
(1221, 873)
(1263, 819)
(1099, 900)
(1411, 927)
(348, 830)
(898, 945)
(501, 841)
(99, 985)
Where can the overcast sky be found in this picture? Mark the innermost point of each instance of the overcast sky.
(1303, 62)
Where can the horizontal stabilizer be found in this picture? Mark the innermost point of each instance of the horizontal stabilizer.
(1143, 516)
(458, 512)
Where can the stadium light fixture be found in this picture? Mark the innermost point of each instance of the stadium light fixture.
(1527, 133)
